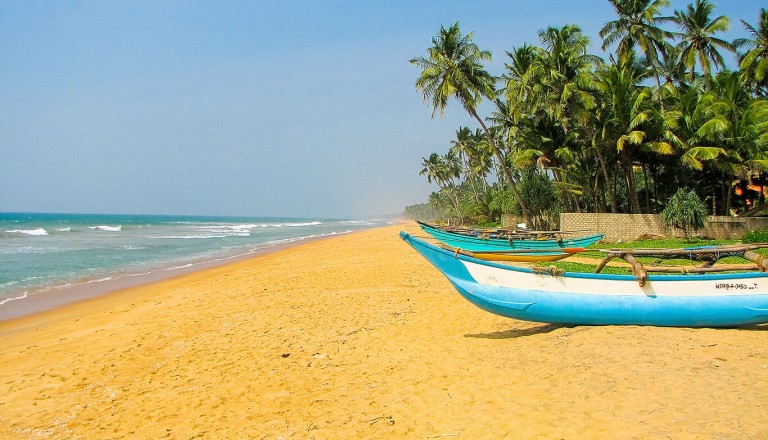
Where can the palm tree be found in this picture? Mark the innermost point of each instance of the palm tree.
(700, 127)
(462, 144)
(443, 170)
(522, 88)
(563, 65)
(638, 26)
(672, 67)
(754, 63)
(699, 45)
(562, 75)
(739, 125)
(468, 147)
(454, 68)
(625, 99)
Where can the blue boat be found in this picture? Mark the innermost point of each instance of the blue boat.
(482, 242)
(690, 300)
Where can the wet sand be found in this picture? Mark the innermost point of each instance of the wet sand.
(358, 337)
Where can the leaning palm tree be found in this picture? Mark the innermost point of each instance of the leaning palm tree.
(637, 25)
(754, 63)
(453, 68)
(699, 45)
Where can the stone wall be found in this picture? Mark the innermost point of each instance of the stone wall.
(631, 226)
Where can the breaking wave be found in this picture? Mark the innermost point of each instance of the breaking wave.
(107, 228)
(38, 231)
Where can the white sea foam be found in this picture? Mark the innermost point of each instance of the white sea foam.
(192, 237)
(5, 300)
(183, 266)
(38, 231)
(117, 228)
(282, 225)
(292, 225)
(98, 280)
(358, 222)
(219, 231)
(305, 237)
(67, 229)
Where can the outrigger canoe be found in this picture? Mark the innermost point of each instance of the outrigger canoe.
(483, 243)
(687, 300)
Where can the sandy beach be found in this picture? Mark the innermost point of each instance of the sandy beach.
(357, 336)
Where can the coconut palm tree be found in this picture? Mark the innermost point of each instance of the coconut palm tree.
(671, 68)
(739, 125)
(563, 72)
(699, 44)
(754, 63)
(637, 25)
(443, 170)
(522, 88)
(563, 66)
(475, 158)
(453, 68)
(626, 101)
(462, 144)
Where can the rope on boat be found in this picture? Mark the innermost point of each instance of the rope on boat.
(550, 270)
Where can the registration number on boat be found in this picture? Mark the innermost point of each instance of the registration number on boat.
(736, 286)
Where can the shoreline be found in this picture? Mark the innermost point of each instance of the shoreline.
(61, 296)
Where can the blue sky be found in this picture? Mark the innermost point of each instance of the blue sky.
(289, 108)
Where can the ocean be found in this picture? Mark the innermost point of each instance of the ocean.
(44, 253)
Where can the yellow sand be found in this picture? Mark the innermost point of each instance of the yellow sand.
(358, 337)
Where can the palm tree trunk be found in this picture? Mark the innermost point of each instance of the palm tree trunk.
(634, 202)
(507, 173)
(655, 174)
(607, 177)
(454, 192)
(647, 193)
(600, 194)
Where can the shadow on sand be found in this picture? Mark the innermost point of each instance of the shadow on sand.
(518, 333)
(546, 328)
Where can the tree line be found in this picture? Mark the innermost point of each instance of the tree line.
(575, 132)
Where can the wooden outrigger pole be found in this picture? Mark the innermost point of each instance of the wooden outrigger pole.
(709, 255)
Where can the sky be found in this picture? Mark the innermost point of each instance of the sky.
(243, 108)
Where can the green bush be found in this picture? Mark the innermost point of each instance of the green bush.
(685, 210)
(755, 237)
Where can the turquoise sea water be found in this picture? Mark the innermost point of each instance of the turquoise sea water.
(42, 252)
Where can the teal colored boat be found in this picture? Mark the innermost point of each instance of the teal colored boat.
(484, 242)
(687, 300)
